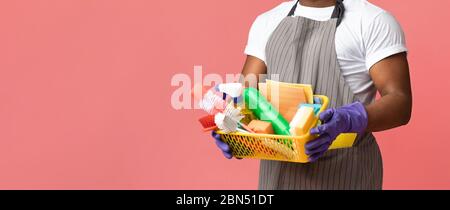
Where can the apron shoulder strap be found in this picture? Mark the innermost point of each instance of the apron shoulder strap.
(338, 12)
(292, 12)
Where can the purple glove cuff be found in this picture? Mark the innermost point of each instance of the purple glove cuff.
(358, 118)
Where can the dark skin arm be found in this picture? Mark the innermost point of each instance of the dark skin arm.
(253, 66)
(392, 80)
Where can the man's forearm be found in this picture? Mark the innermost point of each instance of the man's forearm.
(391, 111)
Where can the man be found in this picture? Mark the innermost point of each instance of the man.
(348, 50)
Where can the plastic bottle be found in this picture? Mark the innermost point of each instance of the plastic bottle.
(262, 109)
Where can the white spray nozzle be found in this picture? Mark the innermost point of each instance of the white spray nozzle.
(234, 90)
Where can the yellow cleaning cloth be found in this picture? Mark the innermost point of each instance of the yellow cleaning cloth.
(286, 97)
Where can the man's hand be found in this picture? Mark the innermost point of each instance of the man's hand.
(348, 119)
(222, 146)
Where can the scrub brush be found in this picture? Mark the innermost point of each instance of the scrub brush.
(208, 100)
(229, 120)
(211, 103)
(225, 123)
(208, 123)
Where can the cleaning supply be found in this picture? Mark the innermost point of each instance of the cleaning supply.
(211, 103)
(308, 89)
(285, 98)
(208, 100)
(316, 107)
(243, 131)
(280, 148)
(303, 121)
(229, 119)
(261, 127)
(236, 114)
(234, 90)
(317, 100)
(264, 111)
(248, 115)
(208, 123)
(225, 123)
(262, 87)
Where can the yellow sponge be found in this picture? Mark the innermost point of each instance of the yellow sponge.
(261, 127)
(303, 121)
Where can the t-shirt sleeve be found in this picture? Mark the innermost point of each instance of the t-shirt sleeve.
(383, 37)
(257, 39)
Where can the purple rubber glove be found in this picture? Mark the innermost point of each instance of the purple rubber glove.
(222, 146)
(352, 118)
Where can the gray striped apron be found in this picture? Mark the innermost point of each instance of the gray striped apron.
(302, 50)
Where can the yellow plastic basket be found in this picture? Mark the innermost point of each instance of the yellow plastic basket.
(277, 147)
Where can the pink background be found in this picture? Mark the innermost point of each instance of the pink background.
(85, 94)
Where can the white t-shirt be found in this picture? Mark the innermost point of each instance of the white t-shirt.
(366, 35)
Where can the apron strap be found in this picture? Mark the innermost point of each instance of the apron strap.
(292, 12)
(338, 12)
